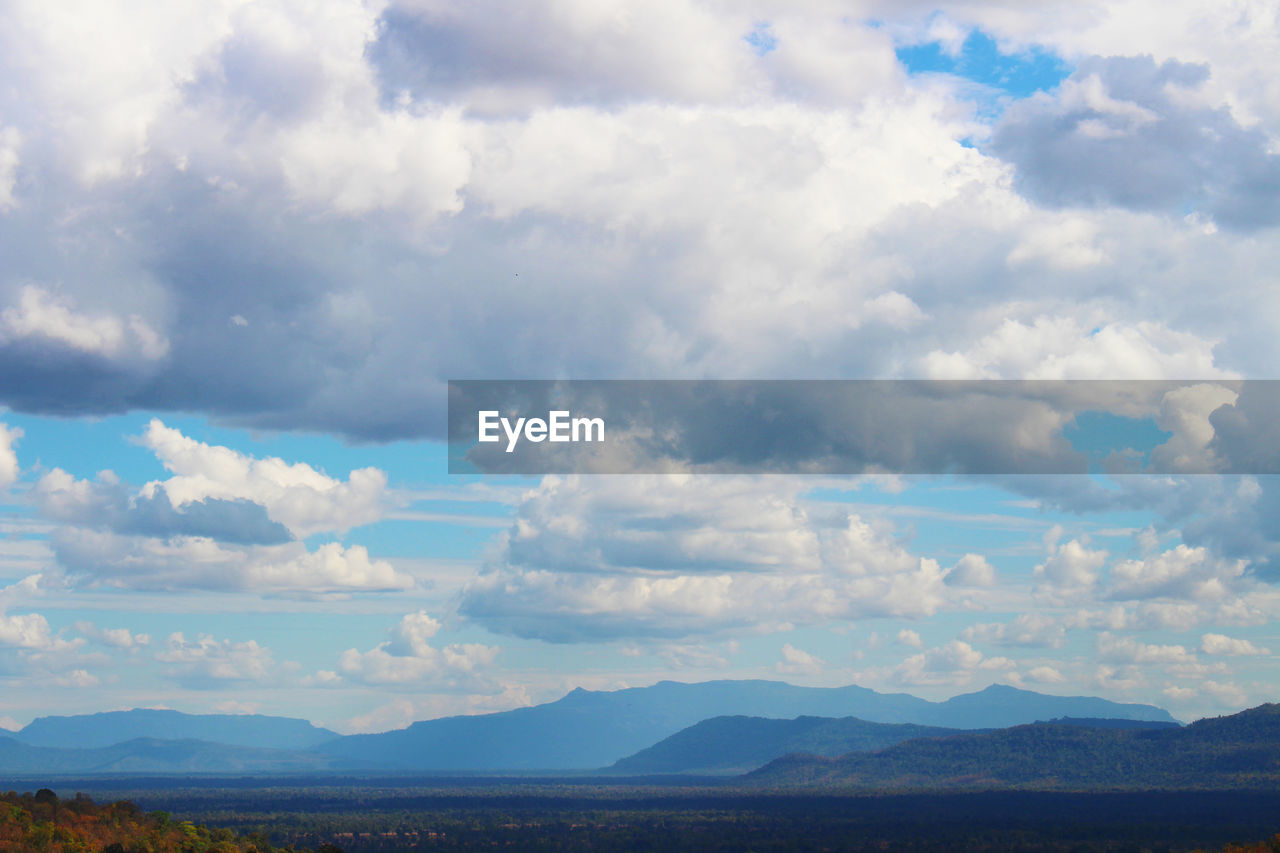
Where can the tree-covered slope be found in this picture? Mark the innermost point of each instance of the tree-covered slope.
(737, 744)
(42, 822)
(1239, 750)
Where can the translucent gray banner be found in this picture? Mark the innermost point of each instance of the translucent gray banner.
(991, 427)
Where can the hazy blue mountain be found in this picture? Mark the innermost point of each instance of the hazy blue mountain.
(151, 755)
(738, 744)
(1000, 706)
(1242, 750)
(589, 729)
(99, 730)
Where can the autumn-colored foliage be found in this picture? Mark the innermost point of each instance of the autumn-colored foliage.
(1272, 846)
(43, 823)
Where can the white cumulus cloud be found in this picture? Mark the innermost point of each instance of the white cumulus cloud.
(305, 500)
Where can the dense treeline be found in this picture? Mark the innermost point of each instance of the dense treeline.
(42, 823)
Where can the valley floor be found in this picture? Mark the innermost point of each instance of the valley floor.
(362, 816)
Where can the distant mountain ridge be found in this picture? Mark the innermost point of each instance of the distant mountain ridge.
(1241, 750)
(584, 730)
(93, 731)
(588, 729)
(154, 755)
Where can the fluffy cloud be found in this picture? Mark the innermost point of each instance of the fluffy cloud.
(1071, 569)
(78, 678)
(1226, 693)
(680, 555)
(1183, 572)
(109, 504)
(420, 190)
(907, 637)
(296, 495)
(972, 570)
(407, 659)
(1129, 650)
(19, 591)
(1231, 518)
(224, 521)
(1130, 132)
(1027, 629)
(375, 163)
(187, 562)
(798, 662)
(1220, 644)
(116, 638)
(206, 661)
(1061, 348)
(1045, 675)
(955, 663)
(9, 468)
(28, 631)
(43, 317)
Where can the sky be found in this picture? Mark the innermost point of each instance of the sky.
(244, 246)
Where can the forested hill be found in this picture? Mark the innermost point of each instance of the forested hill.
(42, 822)
(737, 744)
(1242, 750)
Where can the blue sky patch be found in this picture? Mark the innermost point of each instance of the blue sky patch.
(980, 60)
(1099, 434)
(761, 39)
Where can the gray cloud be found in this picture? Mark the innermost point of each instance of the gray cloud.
(512, 58)
(110, 505)
(610, 557)
(1129, 132)
(1234, 517)
(669, 211)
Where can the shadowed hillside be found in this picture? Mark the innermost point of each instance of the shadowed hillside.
(1242, 750)
(738, 744)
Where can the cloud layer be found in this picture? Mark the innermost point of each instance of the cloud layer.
(702, 191)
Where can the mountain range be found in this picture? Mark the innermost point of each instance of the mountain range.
(589, 729)
(583, 730)
(157, 756)
(89, 731)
